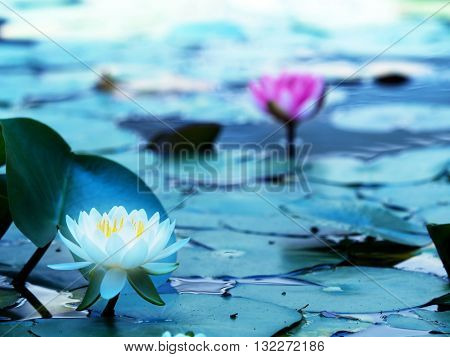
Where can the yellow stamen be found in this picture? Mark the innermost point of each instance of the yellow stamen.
(108, 228)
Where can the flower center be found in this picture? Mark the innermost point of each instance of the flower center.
(108, 228)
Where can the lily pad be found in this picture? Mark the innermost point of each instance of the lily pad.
(240, 255)
(207, 314)
(226, 168)
(423, 320)
(352, 290)
(435, 215)
(412, 166)
(412, 197)
(327, 325)
(386, 118)
(358, 216)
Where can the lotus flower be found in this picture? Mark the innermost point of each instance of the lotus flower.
(289, 98)
(121, 246)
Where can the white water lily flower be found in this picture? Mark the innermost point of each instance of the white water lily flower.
(119, 242)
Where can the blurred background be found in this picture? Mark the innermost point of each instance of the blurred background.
(385, 63)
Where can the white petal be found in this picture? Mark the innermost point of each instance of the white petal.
(73, 228)
(160, 268)
(128, 232)
(91, 245)
(112, 283)
(69, 266)
(171, 249)
(135, 255)
(115, 249)
(75, 249)
(95, 215)
(119, 213)
(159, 242)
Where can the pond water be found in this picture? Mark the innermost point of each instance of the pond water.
(347, 254)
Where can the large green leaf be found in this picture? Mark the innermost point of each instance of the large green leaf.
(356, 216)
(49, 181)
(352, 290)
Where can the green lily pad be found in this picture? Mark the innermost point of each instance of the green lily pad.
(207, 314)
(386, 118)
(435, 214)
(240, 255)
(411, 197)
(226, 168)
(315, 325)
(196, 137)
(412, 166)
(352, 290)
(358, 217)
(423, 320)
(246, 212)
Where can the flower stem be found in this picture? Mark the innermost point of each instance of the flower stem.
(109, 309)
(291, 128)
(22, 276)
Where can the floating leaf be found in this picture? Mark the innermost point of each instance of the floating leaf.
(357, 217)
(412, 166)
(352, 290)
(386, 118)
(315, 325)
(206, 313)
(186, 138)
(240, 255)
(411, 197)
(424, 320)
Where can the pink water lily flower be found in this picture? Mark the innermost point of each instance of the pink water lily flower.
(289, 96)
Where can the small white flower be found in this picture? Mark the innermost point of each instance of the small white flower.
(119, 242)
